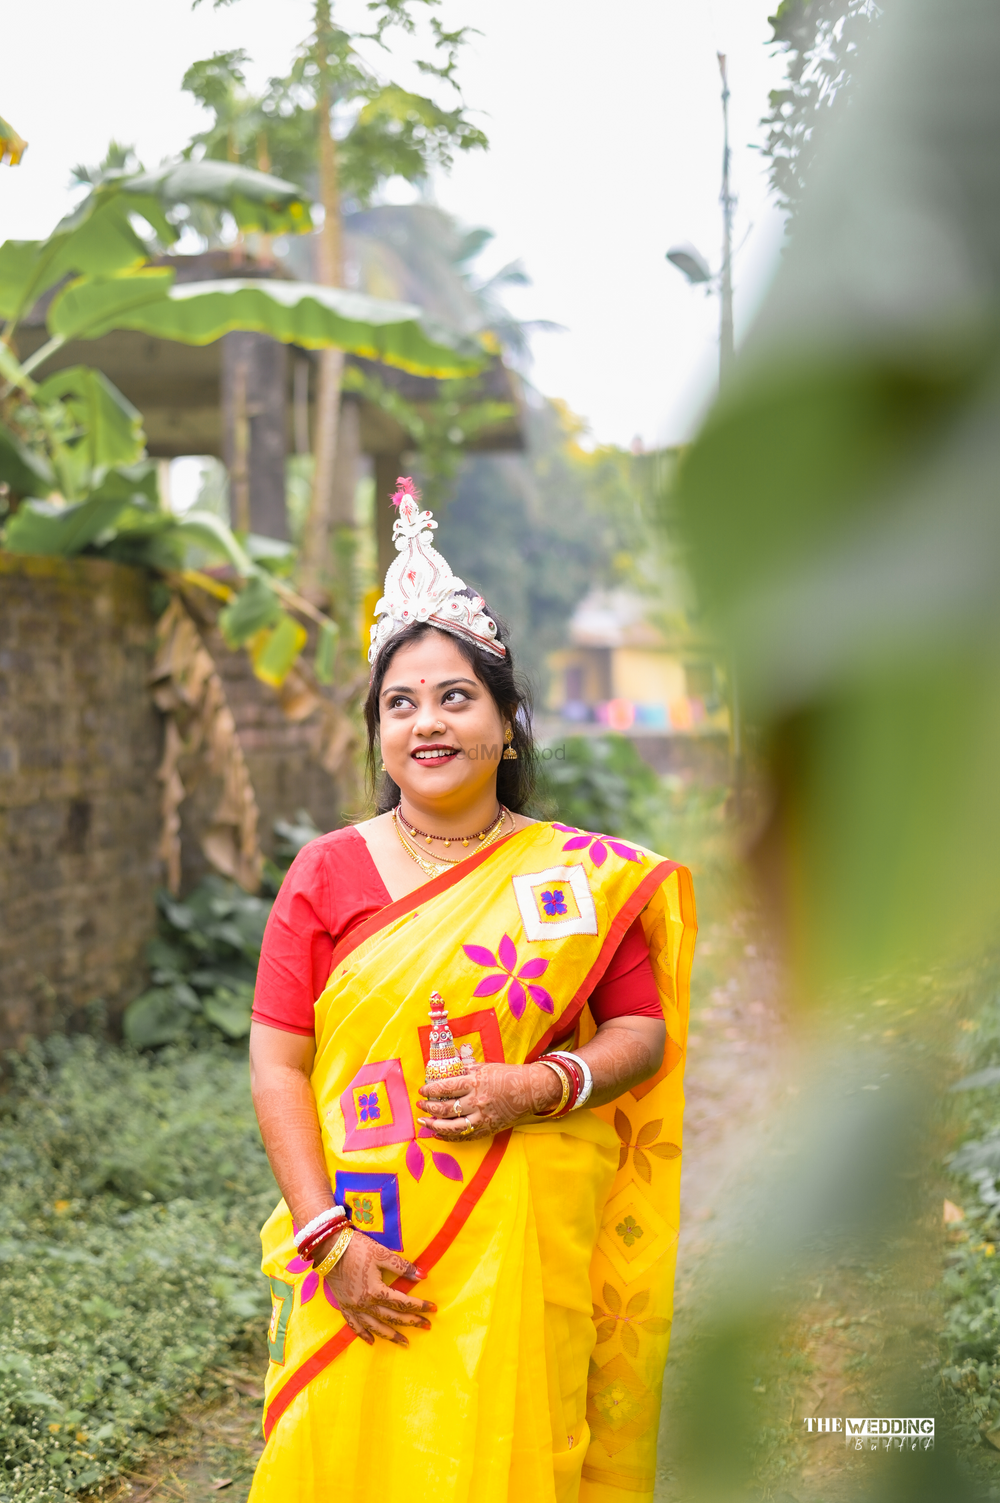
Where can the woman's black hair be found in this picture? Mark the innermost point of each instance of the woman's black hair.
(510, 694)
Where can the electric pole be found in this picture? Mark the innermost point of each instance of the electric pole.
(728, 201)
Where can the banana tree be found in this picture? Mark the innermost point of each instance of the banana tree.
(70, 445)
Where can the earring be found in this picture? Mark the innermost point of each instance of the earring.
(381, 767)
(510, 755)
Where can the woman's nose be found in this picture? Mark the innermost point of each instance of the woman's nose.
(429, 722)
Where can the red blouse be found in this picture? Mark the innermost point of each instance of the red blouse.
(332, 886)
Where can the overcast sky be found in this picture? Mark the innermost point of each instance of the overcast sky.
(606, 139)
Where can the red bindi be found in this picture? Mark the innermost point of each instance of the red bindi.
(421, 680)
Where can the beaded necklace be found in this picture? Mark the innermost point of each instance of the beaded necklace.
(447, 839)
(435, 868)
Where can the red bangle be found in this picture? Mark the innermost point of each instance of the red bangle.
(334, 1229)
(575, 1082)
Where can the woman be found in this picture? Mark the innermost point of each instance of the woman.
(420, 974)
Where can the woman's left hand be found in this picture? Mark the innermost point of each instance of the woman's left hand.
(489, 1099)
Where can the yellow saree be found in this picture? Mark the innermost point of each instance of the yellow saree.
(549, 1250)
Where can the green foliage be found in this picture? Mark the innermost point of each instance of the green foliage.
(203, 965)
(440, 429)
(841, 504)
(599, 783)
(822, 39)
(401, 134)
(133, 1190)
(395, 132)
(253, 609)
(21, 469)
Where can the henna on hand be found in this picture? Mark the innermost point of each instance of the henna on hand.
(491, 1098)
(370, 1307)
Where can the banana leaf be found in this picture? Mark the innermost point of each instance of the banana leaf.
(99, 239)
(298, 313)
(257, 201)
(86, 301)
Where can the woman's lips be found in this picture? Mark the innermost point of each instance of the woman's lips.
(434, 755)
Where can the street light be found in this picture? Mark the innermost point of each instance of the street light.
(689, 260)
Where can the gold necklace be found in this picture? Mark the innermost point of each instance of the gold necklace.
(434, 868)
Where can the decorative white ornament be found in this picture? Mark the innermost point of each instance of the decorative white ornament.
(420, 586)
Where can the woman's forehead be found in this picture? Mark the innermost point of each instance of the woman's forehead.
(433, 657)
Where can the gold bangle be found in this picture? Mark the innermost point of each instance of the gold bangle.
(336, 1252)
(564, 1077)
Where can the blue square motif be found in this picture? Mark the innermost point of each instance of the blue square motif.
(386, 1187)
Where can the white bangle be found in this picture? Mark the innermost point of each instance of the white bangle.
(588, 1079)
(333, 1214)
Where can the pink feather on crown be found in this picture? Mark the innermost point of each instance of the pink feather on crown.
(404, 487)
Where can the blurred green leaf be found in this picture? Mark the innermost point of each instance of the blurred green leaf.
(110, 427)
(62, 531)
(229, 1012)
(256, 200)
(157, 1017)
(276, 657)
(89, 306)
(841, 501)
(21, 468)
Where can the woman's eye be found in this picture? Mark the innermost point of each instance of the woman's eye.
(398, 703)
(458, 694)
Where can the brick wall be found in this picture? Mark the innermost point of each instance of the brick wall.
(79, 747)
(80, 743)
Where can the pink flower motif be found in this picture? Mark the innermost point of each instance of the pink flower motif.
(506, 960)
(404, 487)
(311, 1282)
(599, 845)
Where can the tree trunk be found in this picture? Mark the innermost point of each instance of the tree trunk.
(254, 386)
(314, 565)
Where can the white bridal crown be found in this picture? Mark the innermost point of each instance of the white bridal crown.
(420, 586)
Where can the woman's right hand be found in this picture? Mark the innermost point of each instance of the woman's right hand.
(370, 1307)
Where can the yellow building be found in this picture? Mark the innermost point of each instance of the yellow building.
(622, 670)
